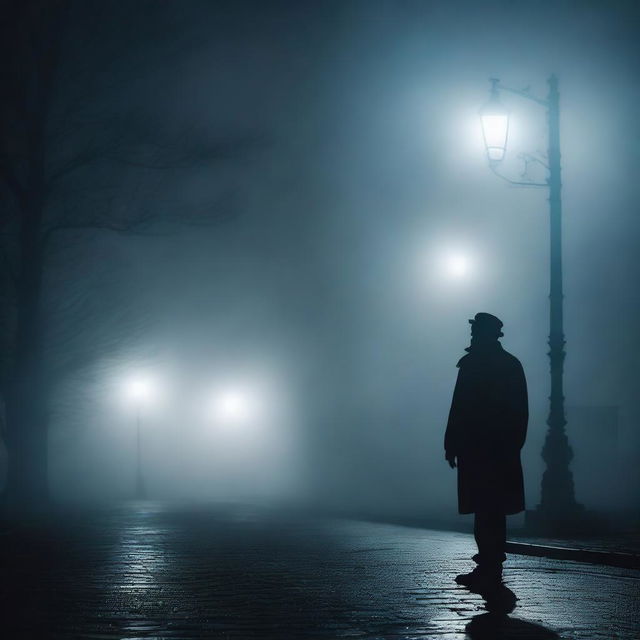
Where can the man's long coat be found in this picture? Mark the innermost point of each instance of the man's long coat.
(486, 430)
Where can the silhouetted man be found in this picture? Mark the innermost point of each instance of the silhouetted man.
(486, 430)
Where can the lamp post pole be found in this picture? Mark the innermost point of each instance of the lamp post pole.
(558, 510)
(558, 498)
(140, 492)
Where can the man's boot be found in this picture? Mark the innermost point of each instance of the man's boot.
(468, 579)
(481, 577)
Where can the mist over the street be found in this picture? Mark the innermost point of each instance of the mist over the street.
(278, 217)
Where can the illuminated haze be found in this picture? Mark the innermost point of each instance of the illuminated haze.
(304, 347)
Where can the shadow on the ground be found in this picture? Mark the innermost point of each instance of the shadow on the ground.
(498, 626)
(496, 623)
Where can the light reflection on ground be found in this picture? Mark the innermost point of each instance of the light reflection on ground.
(150, 571)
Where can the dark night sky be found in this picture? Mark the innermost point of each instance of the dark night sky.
(365, 168)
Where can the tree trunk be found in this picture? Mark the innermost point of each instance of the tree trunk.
(26, 490)
(26, 402)
(41, 26)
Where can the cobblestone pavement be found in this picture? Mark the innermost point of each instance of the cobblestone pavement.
(150, 571)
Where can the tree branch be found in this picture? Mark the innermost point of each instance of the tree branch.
(134, 227)
(81, 160)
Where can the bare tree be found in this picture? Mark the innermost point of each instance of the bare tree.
(52, 129)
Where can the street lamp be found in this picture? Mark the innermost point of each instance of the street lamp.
(495, 125)
(234, 414)
(140, 391)
(558, 510)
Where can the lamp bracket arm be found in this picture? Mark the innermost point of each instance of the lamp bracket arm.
(530, 158)
(524, 93)
(516, 183)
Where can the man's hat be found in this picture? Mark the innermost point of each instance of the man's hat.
(488, 322)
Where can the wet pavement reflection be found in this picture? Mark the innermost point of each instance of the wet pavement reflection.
(157, 571)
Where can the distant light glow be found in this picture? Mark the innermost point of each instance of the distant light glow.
(457, 265)
(449, 266)
(233, 406)
(140, 389)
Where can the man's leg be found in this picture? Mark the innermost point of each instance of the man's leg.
(490, 532)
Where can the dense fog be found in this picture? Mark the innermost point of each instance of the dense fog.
(319, 223)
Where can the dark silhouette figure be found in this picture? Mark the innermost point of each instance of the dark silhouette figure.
(486, 430)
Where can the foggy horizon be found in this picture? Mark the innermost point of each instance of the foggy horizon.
(357, 229)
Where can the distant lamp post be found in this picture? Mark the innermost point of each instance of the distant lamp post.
(232, 414)
(495, 125)
(140, 391)
(558, 510)
(232, 406)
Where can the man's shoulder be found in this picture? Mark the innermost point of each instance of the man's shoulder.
(500, 355)
(510, 358)
(463, 360)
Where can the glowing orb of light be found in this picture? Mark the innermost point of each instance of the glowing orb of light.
(457, 265)
(233, 406)
(140, 389)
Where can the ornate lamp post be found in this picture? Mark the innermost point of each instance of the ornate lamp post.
(558, 510)
(140, 392)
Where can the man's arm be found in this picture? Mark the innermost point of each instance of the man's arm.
(521, 401)
(452, 433)
(517, 406)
